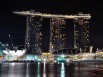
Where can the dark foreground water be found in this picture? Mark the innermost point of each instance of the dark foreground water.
(51, 69)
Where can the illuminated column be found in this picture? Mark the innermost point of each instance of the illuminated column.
(56, 34)
(63, 34)
(51, 46)
(33, 34)
(76, 34)
(86, 35)
(81, 34)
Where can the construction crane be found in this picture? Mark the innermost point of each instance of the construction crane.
(10, 40)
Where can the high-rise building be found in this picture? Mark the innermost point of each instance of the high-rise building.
(81, 34)
(60, 39)
(57, 37)
(33, 34)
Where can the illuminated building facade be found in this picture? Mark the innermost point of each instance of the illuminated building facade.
(33, 34)
(81, 34)
(57, 31)
(57, 37)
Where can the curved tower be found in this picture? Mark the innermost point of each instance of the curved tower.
(81, 34)
(33, 34)
(57, 37)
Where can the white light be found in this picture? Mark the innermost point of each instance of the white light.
(44, 70)
(62, 55)
(55, 61)
(13, 64)
(13, 53)
(44, 60)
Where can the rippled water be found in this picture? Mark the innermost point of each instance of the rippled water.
(51, 69)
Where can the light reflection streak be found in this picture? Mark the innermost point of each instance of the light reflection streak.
(11, 70)
(2, 69)
(50, 70)
(27, 70)
(13, 67)
(38, 70)
(62, 71)
(13, 64)
(44, 70)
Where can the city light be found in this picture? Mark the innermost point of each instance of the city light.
(62, 72)
(85, 16)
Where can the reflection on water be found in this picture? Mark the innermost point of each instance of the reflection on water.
(51, 69)
(62, 72)
(44, 70)
(38, 70)
(27, 70)
(12, 70)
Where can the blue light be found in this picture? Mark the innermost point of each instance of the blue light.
(3, 60)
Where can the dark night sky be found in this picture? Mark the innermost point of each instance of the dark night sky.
(15, 24)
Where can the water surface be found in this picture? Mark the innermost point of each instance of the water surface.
(18, 69)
